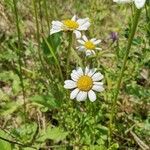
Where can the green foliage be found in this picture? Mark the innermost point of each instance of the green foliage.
(25, 132)
(54, 42)
(56, 134)
(45, 117)
(3, 144)
(45, 101)
(9, 108)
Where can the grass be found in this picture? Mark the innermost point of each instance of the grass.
(34, 66)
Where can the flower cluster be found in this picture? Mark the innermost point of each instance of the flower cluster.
(84, 82)
(76, 26)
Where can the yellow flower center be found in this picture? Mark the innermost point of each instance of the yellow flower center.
(71, 24)
(89, 45)
(85, 83)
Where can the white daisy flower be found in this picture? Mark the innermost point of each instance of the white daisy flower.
(84, 83)
(89, 46)
(74, 24)
(138, 3)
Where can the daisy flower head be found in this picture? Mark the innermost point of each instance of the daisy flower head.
(75, 25)
(84, 84)
(89, 46)
(138, 3)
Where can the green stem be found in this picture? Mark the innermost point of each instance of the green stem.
(38, 30)
(69, 52)
(46, 13)
(132, 33)
(55, 59)
(40, 16)
(19, 53)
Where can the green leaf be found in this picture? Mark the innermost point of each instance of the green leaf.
(9, 108)
(3, 144)
(97, 147)
(55, 134)
(9, 76)
(47, 101)
(25, 132)
(115, 146)
(54, 41)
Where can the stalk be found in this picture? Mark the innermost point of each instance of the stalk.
(55, 59)
(131, 36)
(69, 51)
(46, 13)
(19, 54)
(38, 29)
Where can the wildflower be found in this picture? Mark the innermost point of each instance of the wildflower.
(74, 24)
(89, 46)
(84, 84)
(114, 36)
(138, 3)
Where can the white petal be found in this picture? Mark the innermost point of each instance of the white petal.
(87, 70)
(57, 23)
(82, 21)
(74, 93)
(91, 72)
(83, 24)
(80, 71)
(52, 31)
(98, 83)
(76, 73)
(74, 76)
(92, 96)
(69, 84)
(74, 18)
(93, 40)
(88, 52)
(80, 48)
(98, 88)
(81, 96)
(81, 42)
(122, 1)
(139, 3)
(97, 76)
(77, 33)
(97, 42)
(56, 27)
(84, 38)
(93, 52)
(97, 48)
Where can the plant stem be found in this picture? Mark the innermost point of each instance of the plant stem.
(55, 59)
(46, 13)
(40, 16)
(131, 36)
(37, 28)
(69, 52)
(20, 47)
(14, 142)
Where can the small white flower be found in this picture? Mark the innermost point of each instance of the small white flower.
(74, 24)
(84, 83)
(138, 3)
(89, 46)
